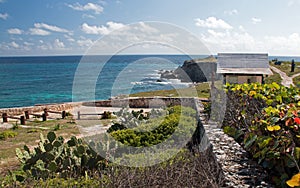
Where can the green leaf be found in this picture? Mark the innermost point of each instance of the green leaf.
(250, 141)
(51, 136)
(52, 166)
(275, 85)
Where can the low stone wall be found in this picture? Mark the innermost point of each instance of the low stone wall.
(39, 108)
(147, 102)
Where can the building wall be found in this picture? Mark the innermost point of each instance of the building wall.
(240, 79)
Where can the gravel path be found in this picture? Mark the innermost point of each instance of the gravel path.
(239, 170)
(286, 81)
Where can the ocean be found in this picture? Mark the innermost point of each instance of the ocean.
(27, 81)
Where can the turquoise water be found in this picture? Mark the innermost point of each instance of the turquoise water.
(26, 81)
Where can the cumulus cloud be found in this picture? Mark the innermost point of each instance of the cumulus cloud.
(58, 44)
(98, 9)
(50, 28)
(256, 20)
(102, 30)
(14, 44)
(213, 23)
(3, 16)
(85, 42)
(231, 12)
(37, 31)
(15, 31)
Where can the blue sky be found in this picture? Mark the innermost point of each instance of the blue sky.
(58, 27)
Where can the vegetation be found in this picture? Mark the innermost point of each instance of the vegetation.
(202, 89)
(273, 78)
(154, 131)
(7, 134)
(296, 81)
(286, 67)
(265, 119)
(74, 162)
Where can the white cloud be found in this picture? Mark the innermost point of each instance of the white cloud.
(58, 44)
(14, 44)
(3, 16)
(287, 44)
(50, 27)
(88, 16)
(36, 31)
(256, 20)
(85, 42)
(28, 43)
(102, 30)
(70, 39)
(293, 2)
(87, 7)
(213, 23)
(15, 31)
(231, 12)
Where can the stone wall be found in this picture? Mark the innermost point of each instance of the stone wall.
(39, 108)
(147, 102)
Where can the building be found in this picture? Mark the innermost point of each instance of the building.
(238, 68)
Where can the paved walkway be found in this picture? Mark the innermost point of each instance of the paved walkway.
(286, 80)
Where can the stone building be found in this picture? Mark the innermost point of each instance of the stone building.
(238, 68)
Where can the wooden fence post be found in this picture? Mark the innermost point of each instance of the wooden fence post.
(63, 114)
(4, 116)
(22, 118)
(44, 117)
(26, 115)
(46, 111)
(78, 114)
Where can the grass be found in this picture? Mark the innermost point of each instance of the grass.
(286, 67)
(201, 90)
(296, 81)
(273, 78)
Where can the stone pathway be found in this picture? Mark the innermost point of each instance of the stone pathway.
(286, 80)
(239, 170)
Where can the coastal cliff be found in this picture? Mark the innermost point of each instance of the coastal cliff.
(195, 70)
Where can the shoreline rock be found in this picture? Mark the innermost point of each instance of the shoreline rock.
(195, 70)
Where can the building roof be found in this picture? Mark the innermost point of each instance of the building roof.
(238, 63)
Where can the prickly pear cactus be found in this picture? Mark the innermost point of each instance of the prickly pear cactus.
(55, 156)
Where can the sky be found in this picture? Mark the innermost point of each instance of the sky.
(65, 27)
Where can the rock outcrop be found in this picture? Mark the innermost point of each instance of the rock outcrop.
(195, 70)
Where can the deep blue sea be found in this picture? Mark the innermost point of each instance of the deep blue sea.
(27, 81)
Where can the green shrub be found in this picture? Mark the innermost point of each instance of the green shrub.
(265, 120)
(7, 134)
(157, 130)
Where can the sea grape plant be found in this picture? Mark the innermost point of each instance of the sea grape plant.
(265, 119)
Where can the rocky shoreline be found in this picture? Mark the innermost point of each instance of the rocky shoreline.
(194, 70)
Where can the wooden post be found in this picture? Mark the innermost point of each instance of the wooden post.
(4, 116)
(26, 115)
(22, 118)
(63, 114)
(46, 111)
(78, 114)
(44, 117)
